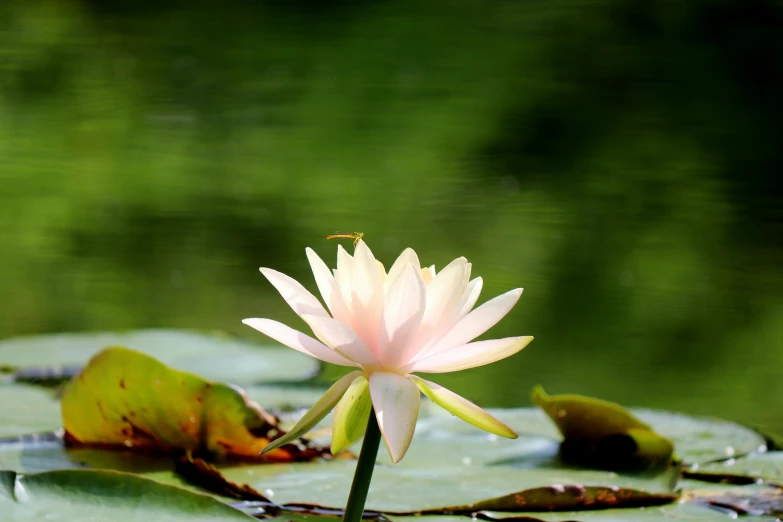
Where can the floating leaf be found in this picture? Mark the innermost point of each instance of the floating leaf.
(216, 357)
(92, 495)
(766, 466)
(26, 409)
(396, 489)
(602, 434)
(702, 440)
(126, 398)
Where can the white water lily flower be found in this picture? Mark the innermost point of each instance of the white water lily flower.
(390, 326)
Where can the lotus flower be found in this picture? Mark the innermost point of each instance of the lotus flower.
(390, 326)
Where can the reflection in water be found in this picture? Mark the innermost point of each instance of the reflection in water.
(619, 160)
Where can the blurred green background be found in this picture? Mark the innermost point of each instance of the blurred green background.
(620, 160)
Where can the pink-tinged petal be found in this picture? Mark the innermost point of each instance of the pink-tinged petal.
(366, 296)
(351, 415)
(463, 408)
(466, 303)
(396, 402)
(445, 291)
(343, 275)
(297, 296)
(342, 340)
(298, 341)
(320, 410)
(408, 257)
(443, 296)
(328, 287)
(469, 355)
(478, 321)
(402, 312)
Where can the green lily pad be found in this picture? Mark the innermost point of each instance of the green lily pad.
(767, 466)
(285, 398)
(672, 512)
(702, 440)
(125, 398)
(698, 440)
(92, 495)
(27, 409)
(447, 489)
(216, 357)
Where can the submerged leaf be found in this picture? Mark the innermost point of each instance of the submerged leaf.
(603, 434)
(93, 495)
(129, 399)
(745, 500)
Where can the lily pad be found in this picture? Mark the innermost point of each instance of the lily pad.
(701, 440)
(27, 409)
(398, 489)
(767, 466)
(128, 399)
(92, 495)
(672, 512)
(698, 440)
(216, 357)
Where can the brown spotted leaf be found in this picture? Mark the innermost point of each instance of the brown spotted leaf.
(127, 398)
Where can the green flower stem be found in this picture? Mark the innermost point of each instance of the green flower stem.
(364, 468)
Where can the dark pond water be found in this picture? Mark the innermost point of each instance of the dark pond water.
(621, 162)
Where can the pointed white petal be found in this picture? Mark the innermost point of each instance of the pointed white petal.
(402, 313)
(342, 339)
(320, 410)
(463, 408)
(328, 287)
(298, 341)
(396, 402)
(469, 355)
(366, 296)
(343, 275)
(351, 415)
(297, 296)
(478, 321)
(408, 257)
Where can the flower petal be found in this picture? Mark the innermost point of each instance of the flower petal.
(351, 414)
(469, 355)
(298, 341)
(328, 287)
(463, 408)
(443, 296)
(396, 402)
(478, 321)
(297, 296)
(402, 313)
(428, 273)
(366, 296)
(342, 339)
(320, 410)
(408, 257)
(343, 275)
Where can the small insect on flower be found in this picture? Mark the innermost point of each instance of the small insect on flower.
(356, 236)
